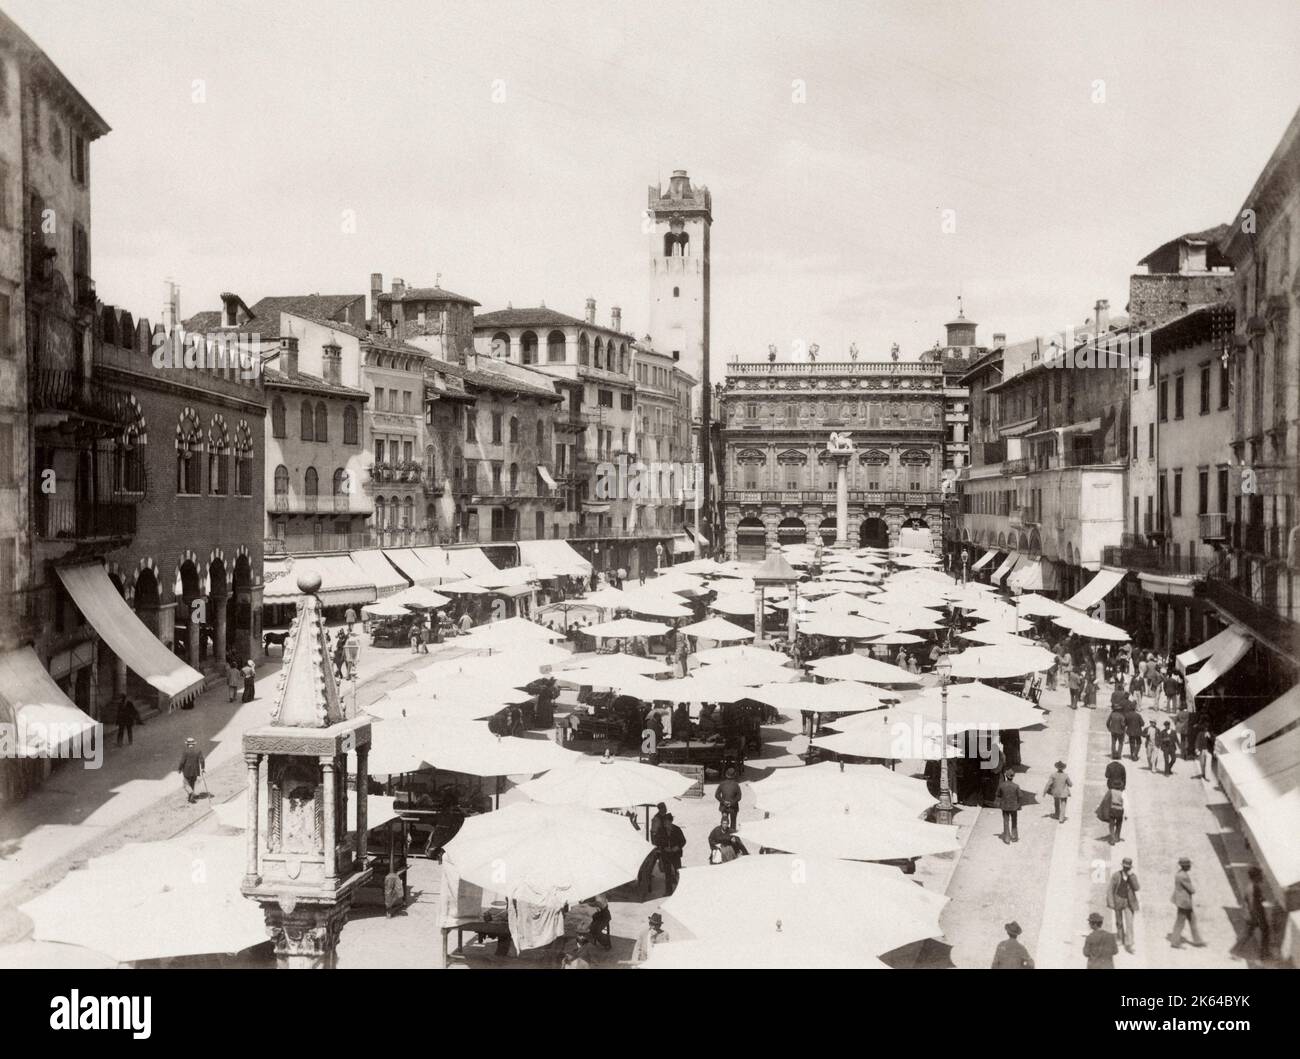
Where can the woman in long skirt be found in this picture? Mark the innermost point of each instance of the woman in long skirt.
(250, 672)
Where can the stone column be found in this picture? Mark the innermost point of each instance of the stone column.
(251, 826)
(193, 634)
(328, 779)
(792, 626)
(841, 500)
(363, 799)
(218, 604)
(758, 614)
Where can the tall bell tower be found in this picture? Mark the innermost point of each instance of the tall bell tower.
(680, 218)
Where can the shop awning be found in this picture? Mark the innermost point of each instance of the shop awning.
(379, 572)
(455, 564)
(46, 722)
(1008, 564)
(512, 591)
(695, 534)
(126, 635)
(1272, 826)
(553, 558)
(411, 566)
(1019, 430)
(682, 545)
(1279, 716)
(1095, 590)
(1231, 651)
(1034, 575)
(342, 582)
(1206, 650)
(546, 476)
(984, 560)
(1255, 773)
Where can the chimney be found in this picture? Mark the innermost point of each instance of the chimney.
(399, 285)
(591, 310)
(1101, 316)
(616, 319)
(332, 362)
(289, 355)
(376, 289)
(999, 340)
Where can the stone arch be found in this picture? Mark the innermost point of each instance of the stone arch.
(828, 529)
(528, 347)
(792, 530)
(751, 539)
(1002, 541)
(873, 533)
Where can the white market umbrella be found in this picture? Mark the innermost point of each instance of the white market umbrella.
(564, 850)
(737, 606)
(154, 900)
(655, 604)
(887, 735)
(1031, 604)
(422, 703)
(511, 631)
(840, 696)
(406, 744)
(463, 588)
(419, 597)
(1092, 628)
(871, 907)
(977, 706)
(1000, 661)
(741, 653)
(703, 565)
(861, 668)
(842, 626)
(607, 783)
(994, 638)
(385, 609)
(717, 629)
(898, 639)
(842, 833)
(831, 785)
(775, 951)
(607, 670)
(606, 598)
(839, 603)
(624, 628)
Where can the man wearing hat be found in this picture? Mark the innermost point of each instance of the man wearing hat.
(653, 935)
(1122, 896)
(1010, 954)
(1058, 786)
(1099, 946)
(1184, 903)
(191, 766)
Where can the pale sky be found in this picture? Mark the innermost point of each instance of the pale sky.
(827, 212)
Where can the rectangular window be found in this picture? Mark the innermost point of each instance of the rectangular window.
(1164, 400)
(1177, 509)
(1179, 380)
(496, 478)
(379, 398)
(1205, 388)
(6, 454)
(407, 451)
(1225, 388)
(627, 402)
(1222, 474)
(1135, 443)
(406, 401)
(1202, 491)
(605, 398)
(496, 428)
(1151, 441)
(379, 450)
(471, 425)
(1161, 494)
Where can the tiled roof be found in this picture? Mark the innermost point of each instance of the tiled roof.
(536, 317)
(202, 323)
(491, 380)
(302, 381)
(426, 294)
(368, 338)
(1209, 235)
(266, 313)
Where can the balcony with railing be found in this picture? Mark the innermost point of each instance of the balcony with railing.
(828, 496)
(83, 521)
(1212, 526)
(835, 367)
(1156, 560)
(1015, 468)
(394, 474)
(68, 391)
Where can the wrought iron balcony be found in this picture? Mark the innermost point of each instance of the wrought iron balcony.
(82, 521)
(1213, 526)
(64, 390)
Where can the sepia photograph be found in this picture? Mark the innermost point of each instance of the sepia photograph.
(703, 486)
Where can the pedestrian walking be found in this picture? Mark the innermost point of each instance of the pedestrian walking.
(1115, 814)
(728, 796)
(414, 638)
(1116, 776)
(1075, 683)
(1122, 898)
(1184, 900)
(250, 680)
(1058, 786)
(1151, 737)
(1257, 915)
(234, 680)
(1008, 798)
(127, 718)
(1010, 954)
(1099, 947)
(191, 767)
(1204, 749)
(1117, 728)
(670, 842)
(349, 618)
(653, 935)
(393, 893)
(424, 638)
(1173, 689)
(1168, 747)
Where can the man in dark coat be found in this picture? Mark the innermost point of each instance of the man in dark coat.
(1184, 903)
(1008, 800)
(728, 795)
(1116, 776)
(1122, 898)
(1010, 954)
(1116, 727)
(1133, 725)
(1168, 740)
(670, 842)
(127, 718)
(1100, 946)
(191, 766)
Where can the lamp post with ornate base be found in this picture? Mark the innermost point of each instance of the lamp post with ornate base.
(944, 813)
(304, 866)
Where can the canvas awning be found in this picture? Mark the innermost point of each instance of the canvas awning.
(1226, 649)
(379, 571)
(342, 582)
(46, 722)
(411, 566)
(1271, 826)
(546, 476)
(1095, 590)
(553, 558)
(455, 564)
(1279, 716)
(126, 635)
(1008, 564)
(1254, 773)
(1203, 651)
(984, 560)
(682, 545)
(1034, 575)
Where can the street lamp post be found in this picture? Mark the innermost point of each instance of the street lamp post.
(944, 668)
(352, 651)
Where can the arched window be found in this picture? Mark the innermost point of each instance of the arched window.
(541, 439)
(322, 422)
(677, 292)
(528, 348)
(243, 459)
(128, 453)
(277, 416)
(189, 454)
(218, 457)
(430, 465)
(308, 431)
(501, 346)
(584, 349)
(598, 358)
(282, 488)
(514, 430)
(381, 512)
(342, 484)
(514, 478)
(310, 482)
(408, 513)
(555, 348)
(350, 425)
